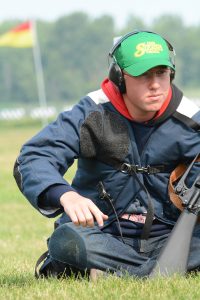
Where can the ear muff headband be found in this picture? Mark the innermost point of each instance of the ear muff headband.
(115, 73)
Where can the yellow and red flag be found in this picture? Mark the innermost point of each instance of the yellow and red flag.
(19, 37)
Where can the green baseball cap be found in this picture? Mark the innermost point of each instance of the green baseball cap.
(142, 51)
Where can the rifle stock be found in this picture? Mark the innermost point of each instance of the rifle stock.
(174, 256)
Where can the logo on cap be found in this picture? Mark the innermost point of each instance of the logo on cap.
(147, 48)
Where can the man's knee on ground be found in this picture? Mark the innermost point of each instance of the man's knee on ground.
(67, 246)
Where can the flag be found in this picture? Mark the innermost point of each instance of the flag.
(19, 37)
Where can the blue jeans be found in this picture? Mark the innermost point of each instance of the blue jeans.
(85, 248)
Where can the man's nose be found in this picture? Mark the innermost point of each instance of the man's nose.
(153, 80)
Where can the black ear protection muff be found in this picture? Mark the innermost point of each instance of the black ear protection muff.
(115, 73)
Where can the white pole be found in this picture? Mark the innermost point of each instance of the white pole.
(39, 74)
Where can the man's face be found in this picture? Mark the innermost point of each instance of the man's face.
(145, 94)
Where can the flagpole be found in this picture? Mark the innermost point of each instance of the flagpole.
(39, 73)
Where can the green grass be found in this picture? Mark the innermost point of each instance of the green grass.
(23, 234)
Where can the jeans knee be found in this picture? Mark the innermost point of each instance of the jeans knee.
(67, 246)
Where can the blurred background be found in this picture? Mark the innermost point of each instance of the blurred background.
(74, 38)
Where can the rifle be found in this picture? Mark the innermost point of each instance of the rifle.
(174, 256)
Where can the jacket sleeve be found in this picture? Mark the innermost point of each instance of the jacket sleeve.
(45, 158)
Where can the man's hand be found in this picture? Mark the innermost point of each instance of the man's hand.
(81, 210)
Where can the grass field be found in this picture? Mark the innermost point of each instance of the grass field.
(23, 234)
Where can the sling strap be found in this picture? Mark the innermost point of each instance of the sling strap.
(132, 170)
(41, 259)
(187, 121)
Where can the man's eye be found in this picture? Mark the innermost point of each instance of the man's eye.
(144, 74)
(160, 72)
